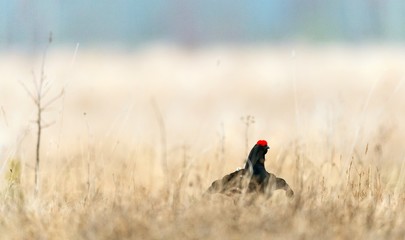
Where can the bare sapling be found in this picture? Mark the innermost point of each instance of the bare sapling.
(42, 100)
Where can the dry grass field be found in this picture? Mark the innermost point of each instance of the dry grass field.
(138, 137)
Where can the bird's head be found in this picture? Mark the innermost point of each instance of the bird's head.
(257, 153)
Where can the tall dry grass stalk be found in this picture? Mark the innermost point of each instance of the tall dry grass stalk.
(162, 133)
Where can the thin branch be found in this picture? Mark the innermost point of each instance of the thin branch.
(41, 84)
(4, 116)
(74, 55)
(47, 87)
(47, 125)
(49, 109)
(31, 95)
(34, 81)
(52, 100)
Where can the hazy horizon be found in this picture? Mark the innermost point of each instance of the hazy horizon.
(129, 24)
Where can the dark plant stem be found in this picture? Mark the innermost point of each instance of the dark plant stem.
(38, 148)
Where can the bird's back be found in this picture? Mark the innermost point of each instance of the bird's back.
(259, 181)
(230, 183)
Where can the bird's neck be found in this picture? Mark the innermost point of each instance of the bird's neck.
(258, 167)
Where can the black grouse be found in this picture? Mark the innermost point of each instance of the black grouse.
(253, 177)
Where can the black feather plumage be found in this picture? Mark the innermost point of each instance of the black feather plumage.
(253, 178)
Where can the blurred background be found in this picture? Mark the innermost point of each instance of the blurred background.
(130, 24)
